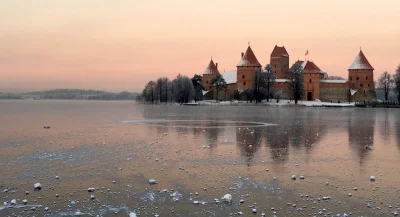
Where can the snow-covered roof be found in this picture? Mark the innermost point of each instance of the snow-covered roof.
(361, 62)
(211, 69)
(249, 59)
(334, 81)
(230, 76)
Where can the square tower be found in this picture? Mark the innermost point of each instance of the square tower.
(280, 62)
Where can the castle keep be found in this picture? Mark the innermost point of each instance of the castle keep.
(359, 85)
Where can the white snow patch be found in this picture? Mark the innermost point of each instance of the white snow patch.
(334, 81)
(230, 76)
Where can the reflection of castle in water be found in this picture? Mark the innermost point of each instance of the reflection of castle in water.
(249, 141)
(361, 132)
(301, 132)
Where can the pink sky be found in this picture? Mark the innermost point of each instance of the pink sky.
(120, 45)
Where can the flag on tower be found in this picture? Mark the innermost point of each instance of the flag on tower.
(306, 53)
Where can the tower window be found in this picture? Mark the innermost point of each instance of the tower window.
(206, 82)
(350, 78)
(368, 85)
(360, 85)
(310, 80)
(275, 65)
(244, 83)
(366, 78)
(243, 76)
(358, 78)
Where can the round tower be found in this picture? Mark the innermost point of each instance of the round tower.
(361, 79)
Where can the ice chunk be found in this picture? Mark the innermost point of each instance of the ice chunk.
(152, 181)
(227, 198)
(132, 214)
(37, 186)
(91, 189)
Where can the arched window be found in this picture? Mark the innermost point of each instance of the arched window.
(358, 78)
(244, 83)
(206, 82)
(366, 78)
(243, 76)
(350, 78)
(360, 85)
(310, 80)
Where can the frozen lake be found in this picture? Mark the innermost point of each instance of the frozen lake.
(197, 154)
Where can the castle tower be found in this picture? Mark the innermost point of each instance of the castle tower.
(280, 62)
(361, 78)
(210, 72)
(312, 76)
(245, 69)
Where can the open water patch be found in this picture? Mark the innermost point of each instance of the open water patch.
(196, 123)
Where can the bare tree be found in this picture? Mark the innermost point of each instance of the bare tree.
(183, 89)
(258, 88)
(385, 82)
(397, 82)
(278, 95)
(270, 79)
(296, 82)
(149, 92)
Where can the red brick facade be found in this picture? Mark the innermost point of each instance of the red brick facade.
(359, 86)
(279, 60)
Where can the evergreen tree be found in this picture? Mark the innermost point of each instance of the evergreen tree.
(197, 82)
(219, 83)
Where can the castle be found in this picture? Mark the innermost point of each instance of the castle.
(358, 87)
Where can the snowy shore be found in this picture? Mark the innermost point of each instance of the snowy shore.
(273, 103)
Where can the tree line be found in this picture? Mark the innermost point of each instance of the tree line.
(183, 89)
(388, 82)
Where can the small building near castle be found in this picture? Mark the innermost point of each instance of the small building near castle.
(317, 85)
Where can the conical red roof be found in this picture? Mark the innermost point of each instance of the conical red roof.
(279, 51)
(249, 59)
(310, 66)
(361, 62)
(211, 69)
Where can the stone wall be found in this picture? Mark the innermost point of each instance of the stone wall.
(335, 94)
